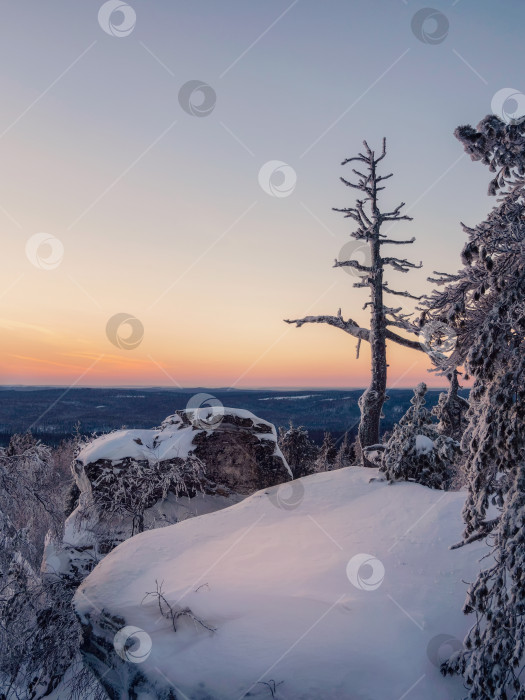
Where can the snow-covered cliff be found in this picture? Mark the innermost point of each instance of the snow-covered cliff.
(325, 587)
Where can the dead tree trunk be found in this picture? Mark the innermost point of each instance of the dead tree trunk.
(372, 400)
(370, 220)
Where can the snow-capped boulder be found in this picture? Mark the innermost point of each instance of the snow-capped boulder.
(196, 462)
(239, 450)
(327, 587)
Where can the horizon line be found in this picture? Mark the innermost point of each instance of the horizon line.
(138, 387)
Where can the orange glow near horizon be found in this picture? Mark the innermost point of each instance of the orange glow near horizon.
(308, 357)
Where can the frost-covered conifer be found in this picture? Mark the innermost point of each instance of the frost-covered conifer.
(451, 410)
(492, 662)
(298, 450)
(345, 454)
(416, 451)
(485, 304)
(325, 461)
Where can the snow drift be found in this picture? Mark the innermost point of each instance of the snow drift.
(325, 587)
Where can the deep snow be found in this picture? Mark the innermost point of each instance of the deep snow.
(334, 586)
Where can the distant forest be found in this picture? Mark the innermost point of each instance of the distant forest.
(53, 414)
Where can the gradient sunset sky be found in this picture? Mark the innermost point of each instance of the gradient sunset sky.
(161, 214)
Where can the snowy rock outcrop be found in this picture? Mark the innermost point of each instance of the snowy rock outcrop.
(196, 462)
(351, 593)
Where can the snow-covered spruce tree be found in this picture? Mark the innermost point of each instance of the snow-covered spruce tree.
(298, 450)
(451, 410)
(345, 454)
(327, 454)
(492, 662)
(485, 303)
(416, 451)
(370, 220)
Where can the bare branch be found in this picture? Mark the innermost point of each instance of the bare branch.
(395, 215)
(393, 242)
(351, 184)
(387, 289)
(405, 342)
(360, 157)
(383, 153)
(352, 328)
(401, 265)
(352, 263)
(348, 326)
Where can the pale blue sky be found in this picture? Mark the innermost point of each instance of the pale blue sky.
(185, 212)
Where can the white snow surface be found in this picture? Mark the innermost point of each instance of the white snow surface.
(291, 595)
(82, 531)
(424, 444)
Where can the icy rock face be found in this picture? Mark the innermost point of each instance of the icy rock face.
(120, 671)
(239, 454)
(238, 449)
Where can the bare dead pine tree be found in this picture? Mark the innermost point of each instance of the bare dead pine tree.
(370, 220)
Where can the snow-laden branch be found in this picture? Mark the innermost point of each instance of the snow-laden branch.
(395, 214)
(352, 328)
(387, 289)
(393, 242)
(401, 265)
(352, 263)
